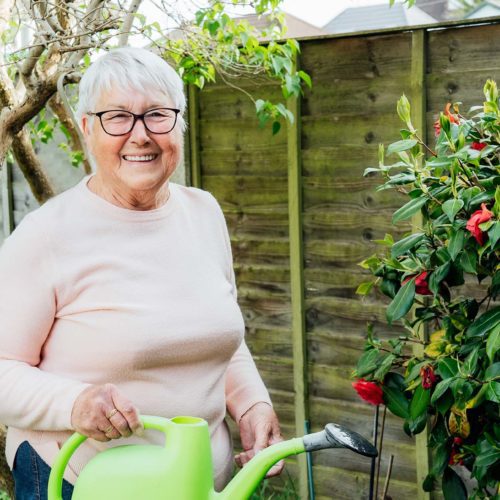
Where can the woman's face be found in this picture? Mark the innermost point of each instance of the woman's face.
(140, 162)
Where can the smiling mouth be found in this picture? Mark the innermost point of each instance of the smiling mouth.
(139, 158)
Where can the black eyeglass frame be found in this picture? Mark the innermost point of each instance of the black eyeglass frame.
(136, 117)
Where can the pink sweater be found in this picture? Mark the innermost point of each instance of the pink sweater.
(93, 293)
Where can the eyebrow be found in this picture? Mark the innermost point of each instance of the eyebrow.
(121, 106)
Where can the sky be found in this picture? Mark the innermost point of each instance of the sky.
(319, 12)
(316, 12)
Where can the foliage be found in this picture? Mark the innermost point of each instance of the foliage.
(4, 496)
(448, 379)
(67, 36)
(266, 492)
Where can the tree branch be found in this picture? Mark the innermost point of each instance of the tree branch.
(127, 24)
(30, 166)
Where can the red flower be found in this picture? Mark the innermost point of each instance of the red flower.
(421, 285)
(369, 391)
(456, 456)
(428, 376)
(478, 217)
(453, 119)
(478, 146)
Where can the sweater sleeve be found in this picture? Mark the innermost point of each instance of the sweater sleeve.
(244, 385)
(29, 397)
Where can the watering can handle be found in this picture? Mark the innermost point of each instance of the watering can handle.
(70, 446)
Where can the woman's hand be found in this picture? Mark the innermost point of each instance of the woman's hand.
(102, 413)
(259, 428)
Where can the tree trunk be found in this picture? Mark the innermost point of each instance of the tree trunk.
(6, 479)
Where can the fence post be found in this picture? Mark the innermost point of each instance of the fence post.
(419, 107)
(297, 281)
(7, 200)
(194, 136)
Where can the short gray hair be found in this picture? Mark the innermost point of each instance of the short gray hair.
(129, 68)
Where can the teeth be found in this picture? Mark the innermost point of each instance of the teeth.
(140, 158)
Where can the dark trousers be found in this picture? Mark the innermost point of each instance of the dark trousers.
(31, 475)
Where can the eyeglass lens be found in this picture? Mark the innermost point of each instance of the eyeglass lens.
(159, 121)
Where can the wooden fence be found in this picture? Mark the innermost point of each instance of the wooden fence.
(302, 216)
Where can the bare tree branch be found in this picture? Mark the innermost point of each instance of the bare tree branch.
(127, 24)
(76, 144)
(29, 64)
(30, 166)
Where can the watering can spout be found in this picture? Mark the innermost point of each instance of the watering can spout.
(246, 481)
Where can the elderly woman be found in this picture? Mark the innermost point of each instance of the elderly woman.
(117, 297)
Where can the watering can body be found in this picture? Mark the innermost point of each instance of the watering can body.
(182, 469)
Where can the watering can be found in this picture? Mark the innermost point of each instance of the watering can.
(182, 470)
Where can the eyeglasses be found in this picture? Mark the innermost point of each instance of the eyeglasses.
(119, 122)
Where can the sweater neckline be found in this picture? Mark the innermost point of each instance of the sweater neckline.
(106, 207)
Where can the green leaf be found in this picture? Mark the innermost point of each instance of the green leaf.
(367, 363)
(485, 323)
(384, 367)
(456, 243)
(493, 391)
(493, 343)
(440, 389)
(492, 372)
(410, 208)
(276, 127)
(403, 106)
(468, 261)
(364, 288)
(447, 368)
(440, 458)
(452, 207)
(470, 364)
(306, 78)
(437, 276)
(396, 402)
(494, 233)
(399, 146)
(419, 402)
(453, 487)
(402, 302)
(394, 395)
(488, 456)
(402, 246)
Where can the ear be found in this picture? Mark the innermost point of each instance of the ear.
(85, 125)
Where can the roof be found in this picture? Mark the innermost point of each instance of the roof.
(375, 17)
(296, 27)
(488, 8)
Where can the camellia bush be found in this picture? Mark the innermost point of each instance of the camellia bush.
(444, 371)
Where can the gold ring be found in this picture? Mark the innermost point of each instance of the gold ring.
(114, 411)
(109, 429)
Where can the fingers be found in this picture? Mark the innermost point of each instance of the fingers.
(262, 437)
(276, 469)
(102, 413)
(127, 415)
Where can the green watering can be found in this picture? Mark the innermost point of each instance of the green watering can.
(182, 470)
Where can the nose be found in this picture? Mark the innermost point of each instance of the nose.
(139, 134)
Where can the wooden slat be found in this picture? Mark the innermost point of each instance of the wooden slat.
(7, 201)
(297, 281)
(418, 67)
(194, 132)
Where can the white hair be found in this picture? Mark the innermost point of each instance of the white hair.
(130, 69)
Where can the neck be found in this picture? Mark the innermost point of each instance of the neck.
(132, 200)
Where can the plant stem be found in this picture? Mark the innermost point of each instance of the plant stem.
(388, 477)
(425, 145)
(372, 469)
(379, 458)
